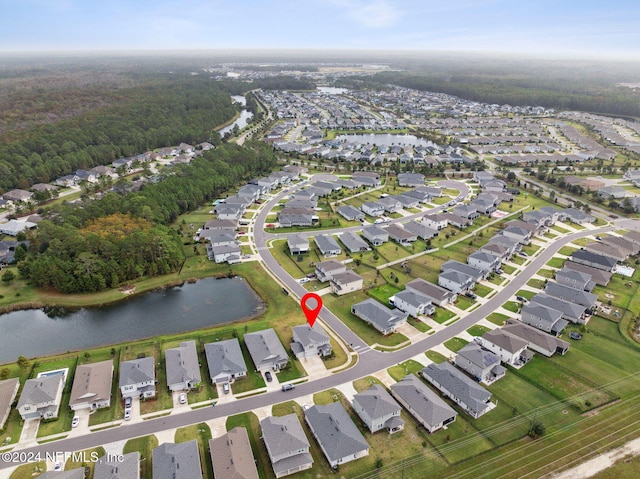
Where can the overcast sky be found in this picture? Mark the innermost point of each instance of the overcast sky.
(585, 27)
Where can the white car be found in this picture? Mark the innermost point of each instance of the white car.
(304, 280)
(127, 414)
(75, 421)
(182, 399)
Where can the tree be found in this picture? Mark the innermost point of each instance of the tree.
(22, 362)
(538, 429)
(8, 276)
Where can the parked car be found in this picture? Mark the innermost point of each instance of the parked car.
(127, 403)
(127, 414)
(226, 388)
(522, 299)
(469, 294)
(182, 399)
(500, 271)
(58, 466)
(288, 387)
(75, 421)
(304, 280)
(574, 335)
(311, 275)
(285, 291)
(523, 254)
(268, 376)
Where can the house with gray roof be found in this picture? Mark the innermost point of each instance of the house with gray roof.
(350, 213)
(598, 276)
(252, 192)
(286, 443)
(400, 235)
(475, 273)
(266, 350)
(225, 361)
(298, 244)
(92, 386)
(288, 218)
(629, 247)
(126, 466)
(224, 225)
(229, 212)
(461, 389)
(575, 313)
(337, 435)
(385, 320)
(484, 261)
(578, 216)
(232, 457)
(347, 282)
(413, 303)
(177, 461)
(8, 392)
(327, 245)
(373, 208)
(606, 250)
(438, 296)
(41, 397)
(182, 366)
(455, 281)
(422, 403)
(480, 363)
(77, 473)
(310, 342)
(536, 340)
(420, 229)
(420, 196)
(511, 244)
(378, 410)
(594, 260)
(391, 204)
(375, 235)
(353, 242)
(546, 319)
(574, 279)
(484, 206)
(502, 252)
(138, 378)
(511, 349)
(326, 269)
(435, 221)
(522, 235)
(224, 254)
(588, 300)
(220, 238)
(466, 211)
(410, 179)
(406, 201)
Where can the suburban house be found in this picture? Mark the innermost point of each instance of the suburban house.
(92, 386)
(420, 196)
(310, 342)
(461, 389)
(229, 212)
(368, 178)
(373, 208)
(347, 282)
(423, 404)
(294, 217)
(484, 206)
(436, 222)
(537, 340)
(578, 216)
(511, 349)
(522, 235)
(326, 269)
(438, 296)
(17, 195)
(466, 211)
(126, 466)
(266, 350)
(594, 260)
(225, 225)
(77, 473)
(138, 378)
(410, 179)
(225, 361)
(391, 204)
(221, 254)
(400, 235)
(353, 242)
(511, 244)
(502, 252)
(221, 238)
(337, 435)
(574, 279)
(455, 281)
(606, 250)
(573, 312)
(378, 410)
(182, 366)
(546, 319)
(232, 457)
(484, 261)
(383, 319)
(298, 244)
(598, 276)
(584, 298)
(41, 397)
(327, 245)
(375, 235)
(475, 273)
(177, 461)
(413, 303)
(480, 363)
(13, 227)
(420, 229)
(351, 213)
(629, 247)
(286, 443)
(8, 392)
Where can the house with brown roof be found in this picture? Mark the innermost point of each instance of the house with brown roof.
(232, 456)
(8, 391)
(92, 386)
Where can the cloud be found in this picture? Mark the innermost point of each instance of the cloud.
(369, 13)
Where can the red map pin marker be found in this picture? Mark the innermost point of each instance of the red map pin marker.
(311, 305)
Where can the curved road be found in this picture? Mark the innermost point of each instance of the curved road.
(375, 361)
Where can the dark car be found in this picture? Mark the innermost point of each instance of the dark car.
(574, 335)
(469, 294)
(268, 376)
(285, 291)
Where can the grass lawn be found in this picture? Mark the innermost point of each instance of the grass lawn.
(536, 283)
(482, 290)
(435, 356)
(567, 250)
(144, 445)
(28, 471)
(530, 249)
(455, 344)
(89, 453)
(419, 325)
(559, 229)
(512, 306)
(546, 273)
(496, 279)
(459, 441)
(201, 433)
(442, 315)
(341, 307)
(525, 293)
(556, 262)
(625, 468)
(508, 269)
(518, 260)
(477, 330)
(383, 293)
(363, 384)
(497, 318)
(399, 371)
(464, 303)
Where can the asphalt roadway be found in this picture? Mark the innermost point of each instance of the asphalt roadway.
(369, 362)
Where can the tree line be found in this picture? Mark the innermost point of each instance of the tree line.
(118, 238)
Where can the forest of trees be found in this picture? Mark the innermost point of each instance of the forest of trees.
(103, 243)
(153, 114)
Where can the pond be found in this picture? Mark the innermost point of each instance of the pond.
(205, 303)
